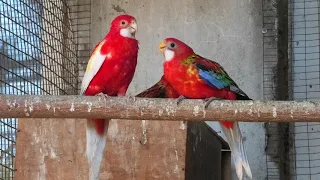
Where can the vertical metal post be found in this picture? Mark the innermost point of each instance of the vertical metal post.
(282, 89)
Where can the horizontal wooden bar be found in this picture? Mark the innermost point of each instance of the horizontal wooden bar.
(133, 108)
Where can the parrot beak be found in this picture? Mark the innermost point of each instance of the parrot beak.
(133, 27)
(162, 46)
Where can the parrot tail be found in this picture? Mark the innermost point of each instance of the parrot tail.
(238, 154)
(96, 142)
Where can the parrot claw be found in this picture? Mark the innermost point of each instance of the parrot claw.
(132, 98)
(208, 101)
(179, 99)
(105, 96)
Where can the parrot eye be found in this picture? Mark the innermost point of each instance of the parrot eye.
(172, 45)
(123, 23)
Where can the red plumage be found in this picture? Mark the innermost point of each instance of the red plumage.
(109, 71)
(187, 82)
(198, 78)
(185, 77)
(116, 73)
(162, 89)
(117, 70)
(192, 86)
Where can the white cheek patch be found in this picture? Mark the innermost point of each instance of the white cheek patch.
(126, 33)
(168, 54)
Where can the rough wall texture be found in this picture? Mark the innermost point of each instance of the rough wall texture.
(274, 135)
(50, 149)
(228, 31)
(55, 149)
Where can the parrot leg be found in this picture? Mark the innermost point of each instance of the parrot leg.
(208, 101)
(179, 99)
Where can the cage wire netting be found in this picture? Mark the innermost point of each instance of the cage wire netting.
(293, 149)
(45, 45)
(38, 55)
(305, 84)
(270, 60)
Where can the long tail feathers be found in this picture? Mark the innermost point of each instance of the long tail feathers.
(238, 153)
(95, 147)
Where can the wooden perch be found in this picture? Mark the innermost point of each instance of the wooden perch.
(30, 106)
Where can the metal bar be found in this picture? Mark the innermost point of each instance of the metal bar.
(31, 106)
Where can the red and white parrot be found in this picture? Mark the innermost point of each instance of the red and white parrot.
(195, 77)
(109, 72)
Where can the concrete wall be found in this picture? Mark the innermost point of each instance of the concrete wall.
(227, 31)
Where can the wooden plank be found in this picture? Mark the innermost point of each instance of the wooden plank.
(48, 149)
(203, 154)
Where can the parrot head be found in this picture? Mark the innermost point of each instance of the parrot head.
(173, 48)
(125, 25)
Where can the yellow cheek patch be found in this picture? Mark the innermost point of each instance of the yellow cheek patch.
(94, 54)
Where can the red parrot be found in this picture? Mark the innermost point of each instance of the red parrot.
(109, 72)
(195, 77)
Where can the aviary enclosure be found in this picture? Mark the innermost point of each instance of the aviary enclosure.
(45, 45)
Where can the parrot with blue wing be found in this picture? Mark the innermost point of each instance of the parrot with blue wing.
(195, 77)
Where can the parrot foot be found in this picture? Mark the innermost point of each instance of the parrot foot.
(208, 101)
(132, 98)
(179, 99)
(105, 96)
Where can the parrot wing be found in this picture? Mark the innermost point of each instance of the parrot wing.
(156, 91)
(214, 75)
(162, 89)
(95, 62)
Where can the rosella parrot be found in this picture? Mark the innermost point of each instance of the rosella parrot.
(196, 77)
(109, 72)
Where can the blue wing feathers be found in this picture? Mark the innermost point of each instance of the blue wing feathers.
(212, 79)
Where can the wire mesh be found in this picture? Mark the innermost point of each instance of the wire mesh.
(293, 151)
(80, 12)
(38, 55)
(273, 136)
(305, 84)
